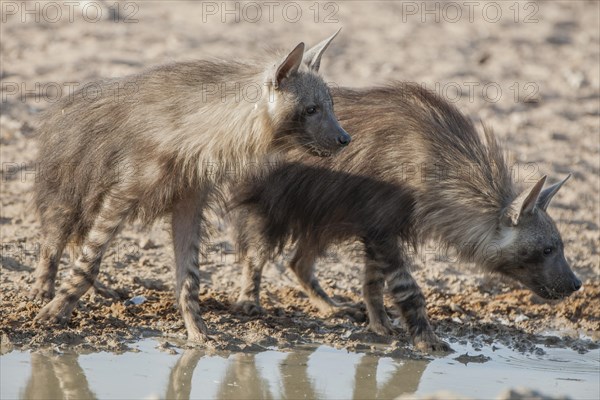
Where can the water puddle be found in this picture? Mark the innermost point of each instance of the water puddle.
(322, 372)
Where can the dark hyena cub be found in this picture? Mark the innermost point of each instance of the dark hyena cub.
(162, 147)
(418, 170)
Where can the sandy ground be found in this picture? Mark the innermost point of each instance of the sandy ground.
(530, 71)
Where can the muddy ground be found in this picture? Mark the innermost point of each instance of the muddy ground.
(533, 75)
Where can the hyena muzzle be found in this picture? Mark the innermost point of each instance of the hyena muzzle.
(161, 145)
(418, 170)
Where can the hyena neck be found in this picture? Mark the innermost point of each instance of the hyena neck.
(227, 129)
(465, 197)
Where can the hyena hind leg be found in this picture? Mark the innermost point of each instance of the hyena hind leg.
(373, 286)
(45, 273)
(56, 234)
(303, 266)
(253, 259)
(248, 301)
(108, 223)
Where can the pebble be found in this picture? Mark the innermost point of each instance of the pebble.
(456, 308)
(521, 318)
(147, 244)
(135, 301)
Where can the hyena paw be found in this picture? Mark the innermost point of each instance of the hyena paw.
(197, 332)
(41, 292)
(199, 338)
(248, 307)
(382, 329)
(430, 343)
(351, 311)
(56, 312)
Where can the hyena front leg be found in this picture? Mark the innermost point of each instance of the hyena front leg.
(409, 298)
(386, 261)
(187, 224)
(108, 223)
(303, 265)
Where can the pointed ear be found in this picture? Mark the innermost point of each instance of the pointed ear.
(289, 66)
(312, 57)
(526, 202)
(548, 193)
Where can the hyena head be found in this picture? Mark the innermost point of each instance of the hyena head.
(531, 248)
(301, 106)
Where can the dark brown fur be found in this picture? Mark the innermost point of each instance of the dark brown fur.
(417, 170)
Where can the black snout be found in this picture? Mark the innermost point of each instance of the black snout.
(576, 284)
(343, 139)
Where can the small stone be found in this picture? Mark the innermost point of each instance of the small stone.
(144, 261)
(559, 136)
(147, 244)
(521, 318)
(456, 308)
(575, 79)
(135, 301)
(558, 39)
(466, 358)
(552, 340)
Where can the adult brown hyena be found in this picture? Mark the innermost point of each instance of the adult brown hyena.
(163, 147)
(417, 170)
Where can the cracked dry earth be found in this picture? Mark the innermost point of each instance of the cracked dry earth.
(552, 130)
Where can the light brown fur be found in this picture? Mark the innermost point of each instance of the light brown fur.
(164, 145)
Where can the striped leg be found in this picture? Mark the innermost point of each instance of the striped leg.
(108, 223)
(253, 259)
(411, 302)
(248, 301)
(376, 266)
(303, 265)
(386, 261)
(187, 225)
(45, 273)
(56, 228)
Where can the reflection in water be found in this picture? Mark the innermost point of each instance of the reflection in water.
(242, 380)
(180, 379)
(61, 376)
(403, 380)
(323, 372)
(294, 373)
(56, 377)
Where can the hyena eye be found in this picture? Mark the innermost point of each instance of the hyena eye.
(310, 110)
(548, 250)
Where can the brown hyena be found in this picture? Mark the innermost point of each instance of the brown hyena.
(418, 170)
(162, 145)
